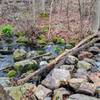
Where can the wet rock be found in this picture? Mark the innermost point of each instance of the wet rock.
(87, 88)
(61, 94)
(76, 82)
(81, 73)
(4, 81)
(19, 54)
(94, 50)
(6, 61)
(43, 63)
(81, 97)
(26, 64)
(85, 54)
(71, 60)
(16, 92)
(42, 92)
(56, 78)
(4, 95)
(67, 67)
(83, 64)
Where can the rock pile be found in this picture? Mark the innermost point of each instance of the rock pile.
(77, 79)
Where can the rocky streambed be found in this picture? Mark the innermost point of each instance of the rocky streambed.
(77, 79)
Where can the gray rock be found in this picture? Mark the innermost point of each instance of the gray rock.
(83, 64)
(94, 50)
(81, 97)
(4, 81)
(43, 63)
(76, 82)
(67, 67)
(71, 60)
(81, 73)
(19, 54)
(4, 95)
(41, 92)
(56, 78)
(87, 88)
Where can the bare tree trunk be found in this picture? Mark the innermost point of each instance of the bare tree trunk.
(50, 19)
(96, 17)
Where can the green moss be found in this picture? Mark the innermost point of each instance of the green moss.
(44, 15)
(25, 65)
(7, 30)
(20, 34)
(22, 39)
(11, 73)
(42, 41)
(58, 40)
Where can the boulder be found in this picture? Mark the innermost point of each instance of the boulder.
(76, 82)
(87, 88)
(71, 60)
(81, 97)
(19, 54)
(41, 92)
(16, 92)
(83, 64)
(26, 64)
(56, 78)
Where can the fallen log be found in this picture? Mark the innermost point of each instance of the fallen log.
(52, 64)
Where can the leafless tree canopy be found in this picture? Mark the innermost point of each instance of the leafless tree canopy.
(64, 13)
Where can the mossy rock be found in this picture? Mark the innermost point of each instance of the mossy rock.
(11, 73)
(26, 65)
(58, 40)
(22, 40)
(19, 54)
